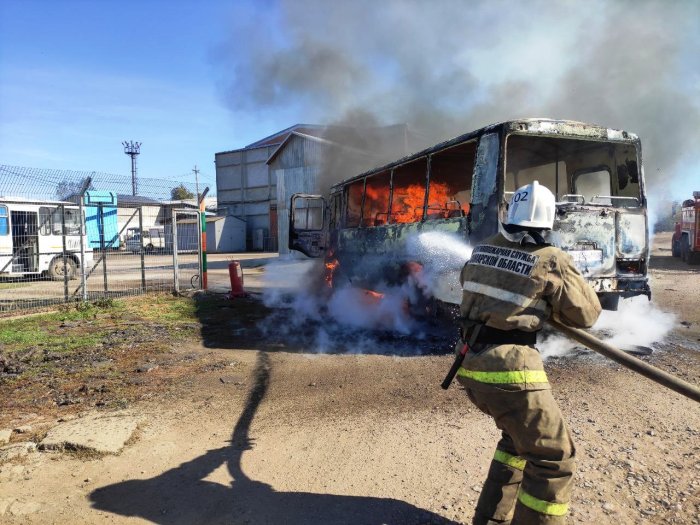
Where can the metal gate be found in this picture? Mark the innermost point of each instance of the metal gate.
(186, 238)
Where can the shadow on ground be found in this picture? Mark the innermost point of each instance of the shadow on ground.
(668, 262)
(182, 496)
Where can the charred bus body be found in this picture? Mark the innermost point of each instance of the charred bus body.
(462, 187)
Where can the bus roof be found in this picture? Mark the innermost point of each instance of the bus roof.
(534, 126)
(22, 200)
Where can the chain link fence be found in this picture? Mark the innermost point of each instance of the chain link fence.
(71, 236)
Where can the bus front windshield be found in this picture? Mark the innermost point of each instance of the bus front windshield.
(582, 171)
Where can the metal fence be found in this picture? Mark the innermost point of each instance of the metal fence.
(70, 236)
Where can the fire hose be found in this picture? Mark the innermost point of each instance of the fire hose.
(637, 365)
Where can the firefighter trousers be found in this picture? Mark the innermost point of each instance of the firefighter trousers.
(530, 477)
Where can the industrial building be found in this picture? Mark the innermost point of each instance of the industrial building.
(255, 183)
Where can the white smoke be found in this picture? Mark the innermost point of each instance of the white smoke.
(299, 286)
(637, 322)
(441, 251)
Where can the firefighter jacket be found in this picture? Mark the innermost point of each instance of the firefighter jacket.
(517, 286)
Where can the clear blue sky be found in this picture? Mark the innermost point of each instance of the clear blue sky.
(79, 77)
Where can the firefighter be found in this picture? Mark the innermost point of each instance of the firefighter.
(513, 282)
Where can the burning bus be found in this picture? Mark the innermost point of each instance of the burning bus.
(462, 187)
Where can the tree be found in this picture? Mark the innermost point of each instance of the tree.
(180, 193)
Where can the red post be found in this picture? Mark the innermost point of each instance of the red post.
(236, 275)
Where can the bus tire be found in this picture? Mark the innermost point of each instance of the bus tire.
(675, 248)
(685, 248)
(149, 248)
(56, 269)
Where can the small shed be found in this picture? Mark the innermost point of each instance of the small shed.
(226, 234)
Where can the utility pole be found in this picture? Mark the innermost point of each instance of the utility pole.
(196, 180)
(132, 149)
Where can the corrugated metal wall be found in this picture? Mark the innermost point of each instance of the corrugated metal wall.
(296, 170)
(290, 181)
(245, 187)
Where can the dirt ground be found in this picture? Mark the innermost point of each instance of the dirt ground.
(241, 430)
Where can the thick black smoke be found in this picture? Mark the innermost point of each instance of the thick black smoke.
(448, 67)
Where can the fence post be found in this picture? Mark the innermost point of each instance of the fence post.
(203, 285)
(101, 225)
(176, 272)
(83, 278)
(65, 259)
(141, 251)
(202, 249)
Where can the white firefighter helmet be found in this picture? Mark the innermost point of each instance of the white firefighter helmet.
(531, 207)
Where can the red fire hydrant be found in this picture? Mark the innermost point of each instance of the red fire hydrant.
(235, 273)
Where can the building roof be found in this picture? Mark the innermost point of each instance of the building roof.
(125, 199)
(280, 136)
(313, 139)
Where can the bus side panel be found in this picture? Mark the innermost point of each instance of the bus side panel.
(376, 257)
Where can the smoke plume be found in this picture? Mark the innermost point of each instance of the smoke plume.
(448, 67)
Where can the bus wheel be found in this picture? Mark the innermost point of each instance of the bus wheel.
(675, 248)
(56, 269)
(685, 248)
(149, 248)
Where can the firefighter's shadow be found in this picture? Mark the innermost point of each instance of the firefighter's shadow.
(182, 495)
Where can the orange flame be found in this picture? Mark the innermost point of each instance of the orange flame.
(376, 206)
(441, 203)
(331, 265)
(374, 295)
(407, 205)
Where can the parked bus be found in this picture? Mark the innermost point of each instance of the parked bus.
(153, 239)
(32, 240)
(463, 186)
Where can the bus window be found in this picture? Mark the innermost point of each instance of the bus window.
(451, 173)
(4, 223)
(552, 175)
(308, 215)
(335, 210)
(626, 183)
(593, 185)
(409, 192)
(54, 224)
(72, 218)
(376, 207)
(44, 221)
(56, 228)
(354, 203)
(575, 170)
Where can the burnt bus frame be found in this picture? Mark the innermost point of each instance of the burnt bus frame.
(482, 219)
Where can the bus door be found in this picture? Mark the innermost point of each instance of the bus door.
(25, 241)
(308, 231)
